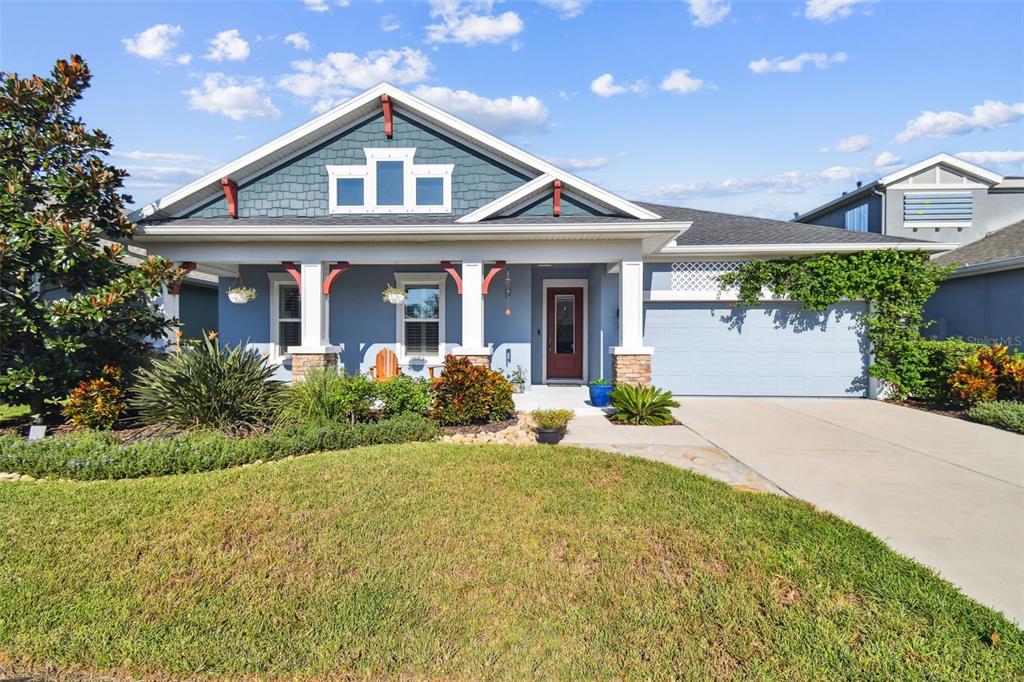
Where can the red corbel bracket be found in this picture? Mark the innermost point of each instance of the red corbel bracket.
(230, 188)
(336, 270)
(290, 268)
(175, 286)
(556, 202)
(498, 267)
(447, 266)
(389, 127)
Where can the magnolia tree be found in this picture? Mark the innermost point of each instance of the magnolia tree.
(70, 303)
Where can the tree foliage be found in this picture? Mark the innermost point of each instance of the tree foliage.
(895, 284)
(70, 303)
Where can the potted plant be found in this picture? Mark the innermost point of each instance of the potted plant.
(394, 295)
(600, 392)
(241, 294)
(518, 379)
(550, 425)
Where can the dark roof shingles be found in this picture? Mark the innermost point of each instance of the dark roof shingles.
(1002, 244)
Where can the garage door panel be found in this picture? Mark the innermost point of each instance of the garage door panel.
(778, 349)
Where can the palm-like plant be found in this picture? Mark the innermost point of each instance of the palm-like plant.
(643, 405)
(210, 387)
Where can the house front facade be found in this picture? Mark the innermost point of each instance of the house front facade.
(976, 210)
(500, 256)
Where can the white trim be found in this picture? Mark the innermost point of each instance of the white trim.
(925, 188)
(520, 193)
(402, 280)
(636, 350)
(937, 223)
(371, 98)
(844, 247)
(947, 159)
(558, 284)
(277, 279)
(663, 295)
(412, 171)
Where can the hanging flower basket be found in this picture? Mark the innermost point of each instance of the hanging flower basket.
(394, 296)
(241, 294)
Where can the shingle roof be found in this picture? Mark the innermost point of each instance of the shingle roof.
(708, 227)
(1002, 244)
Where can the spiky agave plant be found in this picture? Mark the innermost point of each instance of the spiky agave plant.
(643, 405)
(208, 386)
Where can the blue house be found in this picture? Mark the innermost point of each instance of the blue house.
(502, 257)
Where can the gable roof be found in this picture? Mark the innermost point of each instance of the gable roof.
(1002, 247)
(342, 117)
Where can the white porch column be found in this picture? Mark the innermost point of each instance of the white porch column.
(631, 360)
(473, 311)
(314, 310)
(170, 303)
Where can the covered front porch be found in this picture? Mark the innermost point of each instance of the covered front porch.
(557, 323)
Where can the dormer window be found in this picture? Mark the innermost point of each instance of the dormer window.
(391, 182)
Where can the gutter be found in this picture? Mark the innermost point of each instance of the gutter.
(846, 247)
(835, 203)
(985, 268)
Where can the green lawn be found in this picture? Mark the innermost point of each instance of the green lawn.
(446, 561)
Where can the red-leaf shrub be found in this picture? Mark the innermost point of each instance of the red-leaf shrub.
(989, 373)
(471, 394)
(97, 403)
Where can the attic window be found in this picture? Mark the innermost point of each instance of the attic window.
(390, 182)
(937, 209)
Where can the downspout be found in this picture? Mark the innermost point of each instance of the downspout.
(882, 194)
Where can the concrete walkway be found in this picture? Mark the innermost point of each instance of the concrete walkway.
(944, 491)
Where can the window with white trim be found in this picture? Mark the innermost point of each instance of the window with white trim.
(390, 182)
(420, 331)
(856, 218)
(285, 314)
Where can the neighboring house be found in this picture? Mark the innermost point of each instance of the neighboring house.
(505, 259)
(983, 300)
(946, 199)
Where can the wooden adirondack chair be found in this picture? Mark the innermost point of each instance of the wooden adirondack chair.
(386, 367)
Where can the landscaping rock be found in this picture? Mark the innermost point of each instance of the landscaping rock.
(513, 432)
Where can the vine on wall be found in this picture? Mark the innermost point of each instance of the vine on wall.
(895, 284)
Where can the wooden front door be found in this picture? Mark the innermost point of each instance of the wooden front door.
(565, 333)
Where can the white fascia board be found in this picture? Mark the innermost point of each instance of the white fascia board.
(424, 109)
(795, 249)
(520, 193)
(947, 159)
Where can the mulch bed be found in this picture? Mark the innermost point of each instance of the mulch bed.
(493, 427)
(937, 408)
(124, 431)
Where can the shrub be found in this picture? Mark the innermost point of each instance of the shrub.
(471, 394)
(97, 403)
(208, 387)
(552, 419)
(643, 405)
(989, 373)
(925, 366)
(1002, 414)
(91, 455)
(327, 396)
(404, 395)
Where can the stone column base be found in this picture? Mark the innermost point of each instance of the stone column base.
(303, 362)
(631, 369)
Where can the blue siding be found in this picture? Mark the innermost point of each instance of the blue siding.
(985, 308)
(837, 217)
(510, 334)
(774, 349)
(545, 205)
(299, 187)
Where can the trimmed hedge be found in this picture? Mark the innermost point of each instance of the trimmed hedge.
(92, 455)
(925, 365)
(1002, 414)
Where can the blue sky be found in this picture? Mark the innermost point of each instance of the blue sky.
(762, 108)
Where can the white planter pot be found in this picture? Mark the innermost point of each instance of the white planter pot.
(237, 297)
(397, 299)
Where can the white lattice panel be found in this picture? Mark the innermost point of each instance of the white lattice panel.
(700, 275)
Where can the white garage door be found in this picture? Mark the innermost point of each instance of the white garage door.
(771, 350)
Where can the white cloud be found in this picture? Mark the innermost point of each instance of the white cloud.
(708, 12)
(853, 143)
(681, 81)
(985, 116)
(605, 86)
(228, 45)
(502, 115)
(183, 59)
(340, 74)
(161, 172)
(566, 8)
(156, 42)
(389, 23)
(887, 159)
(299, 41)
(236, 99)
(575, 164)
(1004, 158)
(790, 182)
(322, 5)
(171, 157)
(831, 10)
(796, 64)
(471, 23)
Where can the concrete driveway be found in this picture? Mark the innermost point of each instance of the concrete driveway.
(947, 492)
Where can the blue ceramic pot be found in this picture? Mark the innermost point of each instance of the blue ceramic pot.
(600, 396)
